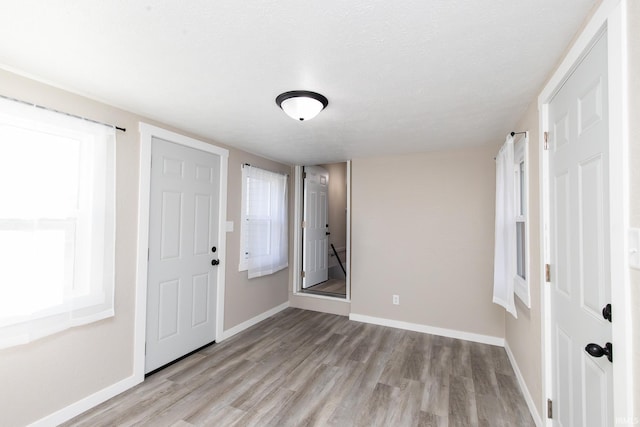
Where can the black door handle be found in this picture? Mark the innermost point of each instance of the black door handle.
(596, 351)
(215, 261)
(606, 312)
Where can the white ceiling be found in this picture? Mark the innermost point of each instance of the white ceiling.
(400, 76)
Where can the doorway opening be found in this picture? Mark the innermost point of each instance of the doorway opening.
(322, 230)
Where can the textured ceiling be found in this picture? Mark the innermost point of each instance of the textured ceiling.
(400, 76)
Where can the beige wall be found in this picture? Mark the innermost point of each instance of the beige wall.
(422, 228)
(633, 37)
(438, 256)
(337, 204)
(522, 332)
(245, 298)
(51, 373)
(47, 375)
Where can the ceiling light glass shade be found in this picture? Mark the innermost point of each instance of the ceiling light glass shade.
(301, 104)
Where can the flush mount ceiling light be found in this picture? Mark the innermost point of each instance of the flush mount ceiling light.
(301, 104)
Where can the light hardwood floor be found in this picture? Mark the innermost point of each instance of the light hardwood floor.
(302, 368)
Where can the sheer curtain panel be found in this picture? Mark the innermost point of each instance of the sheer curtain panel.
(504, 268)
(264, 229)
(57, 222)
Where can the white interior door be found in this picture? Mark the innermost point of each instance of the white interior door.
(183, 240)
(315, 252)
(579, 249)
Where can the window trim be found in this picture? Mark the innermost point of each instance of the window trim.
(243, 263)
(89, 229)
(521, 286)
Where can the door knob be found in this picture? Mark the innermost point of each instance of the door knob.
(596, 351)
(215, 261)
(606, 312)
(213, 249)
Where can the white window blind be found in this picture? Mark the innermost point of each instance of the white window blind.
(57, 222)
(264, 227)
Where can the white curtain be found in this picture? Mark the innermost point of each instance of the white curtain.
(57, 222)
(504, 268)
(266, 222)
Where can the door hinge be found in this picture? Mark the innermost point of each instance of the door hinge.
(547, 273)
(304, 175)
(549, 409)
(546, 140)
(303, 274)
(304, 224)
(145, 348)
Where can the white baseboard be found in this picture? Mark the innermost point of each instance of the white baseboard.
(451, 333)
(249, 323)
(107, 393)
(82, 405)
(523, 386)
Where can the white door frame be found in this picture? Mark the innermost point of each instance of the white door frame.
(147, 133)
(297, 237)
(610, 15)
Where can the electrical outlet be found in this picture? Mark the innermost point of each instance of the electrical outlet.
(396, 299)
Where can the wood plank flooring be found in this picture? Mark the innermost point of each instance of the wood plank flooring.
(333, 287)
(302, 368)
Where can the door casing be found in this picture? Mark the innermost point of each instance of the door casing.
(147, 132)
(297, 238)
(610, 17)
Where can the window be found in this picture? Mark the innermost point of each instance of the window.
(521, 286)
(263, 233)
(57, 222)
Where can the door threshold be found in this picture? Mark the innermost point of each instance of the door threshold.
(304, 294)
(324, 293)
(178, 359)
